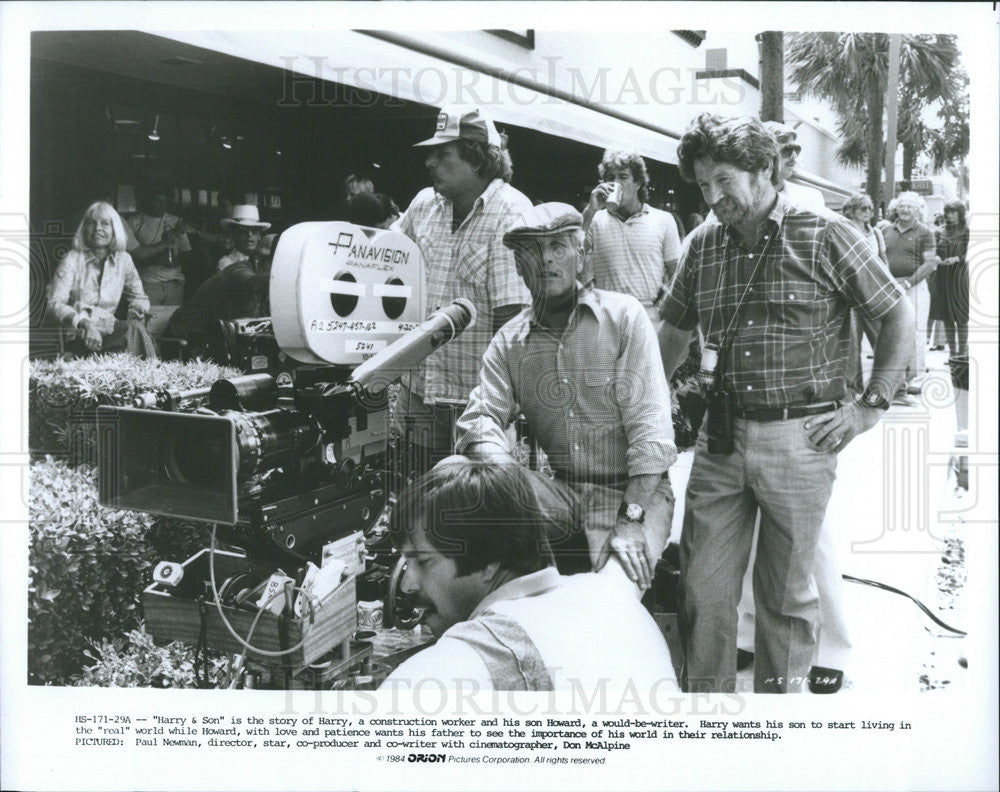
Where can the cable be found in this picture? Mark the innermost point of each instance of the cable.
(918, 603)
(229, 626)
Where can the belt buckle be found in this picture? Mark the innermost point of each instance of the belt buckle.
(784, 414)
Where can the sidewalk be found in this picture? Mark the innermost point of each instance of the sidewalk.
(895, 507)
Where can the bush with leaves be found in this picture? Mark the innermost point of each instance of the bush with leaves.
(687, 404)
(63, 396)
(88, 567)
(134, 660)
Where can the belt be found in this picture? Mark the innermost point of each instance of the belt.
(783, 413)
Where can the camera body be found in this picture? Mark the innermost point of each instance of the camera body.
(291, 457)
(719, 419)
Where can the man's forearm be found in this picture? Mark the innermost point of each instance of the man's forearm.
(674, 344)
(488, 452)
(640, 488)
(924, 270)
(892, 349)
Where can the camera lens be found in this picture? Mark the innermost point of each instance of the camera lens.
(192, 456)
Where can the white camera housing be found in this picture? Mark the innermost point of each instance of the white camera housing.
(340, 293)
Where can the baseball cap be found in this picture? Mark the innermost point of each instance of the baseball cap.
(454, 123)
(782, 133)
(544, 220)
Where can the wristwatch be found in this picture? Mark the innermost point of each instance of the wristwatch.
(632, 512)
(874, 400)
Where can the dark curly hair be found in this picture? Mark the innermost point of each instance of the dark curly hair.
(742, 141)
(478, 513)
(615, 159)
(490, 162)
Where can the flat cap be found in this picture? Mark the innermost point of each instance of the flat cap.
(543, 220)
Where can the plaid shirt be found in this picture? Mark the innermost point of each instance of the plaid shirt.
(83, 289)
(631, 256)
(595, 397)
(470, 262)
(790, 344)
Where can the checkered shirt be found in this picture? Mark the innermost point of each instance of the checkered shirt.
(472, 263)
(790, 344)
(595, 396)
(635, 256)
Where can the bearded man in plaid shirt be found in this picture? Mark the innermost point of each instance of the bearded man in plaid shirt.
(771, 286)
(459, 223)
(582, 366)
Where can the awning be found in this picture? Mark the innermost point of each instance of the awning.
(363, 62)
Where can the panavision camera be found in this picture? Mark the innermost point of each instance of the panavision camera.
(289, 465)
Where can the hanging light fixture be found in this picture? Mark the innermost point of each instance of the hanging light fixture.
(154, 135)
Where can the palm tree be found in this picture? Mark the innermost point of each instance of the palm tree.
(850, 70)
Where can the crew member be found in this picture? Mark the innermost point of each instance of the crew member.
(240, 291)
(834, 643)
(474, 538)
(770, 286)
(632, 248)
(458, 224)
(582, 366)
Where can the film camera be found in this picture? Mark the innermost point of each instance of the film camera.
(288, 464)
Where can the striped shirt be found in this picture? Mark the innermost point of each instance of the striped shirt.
(635, 256)
(470, 262)
(594, 396)
(790, 344)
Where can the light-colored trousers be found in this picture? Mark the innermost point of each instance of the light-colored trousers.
(834, 639)
(777, 471)
(920, 298)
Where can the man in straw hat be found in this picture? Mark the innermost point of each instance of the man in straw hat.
(245, 226)
(583, 366)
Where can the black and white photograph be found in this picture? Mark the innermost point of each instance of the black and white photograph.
(385, 387)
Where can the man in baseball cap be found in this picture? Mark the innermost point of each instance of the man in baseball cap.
(459, 222)
(584, 368)
(455, 123)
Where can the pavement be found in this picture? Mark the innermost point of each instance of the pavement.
(896, 509)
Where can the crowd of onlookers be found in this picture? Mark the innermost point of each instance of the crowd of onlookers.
(151, 269)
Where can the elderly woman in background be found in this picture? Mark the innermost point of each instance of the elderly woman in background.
(858, 209)
(952, 282)
(90, 280)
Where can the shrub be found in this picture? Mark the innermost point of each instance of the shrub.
(687, 404)
(63, 396)
(134, 660)
(88, 567)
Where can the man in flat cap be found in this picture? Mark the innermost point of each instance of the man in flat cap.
(459, 224)
(583, 366)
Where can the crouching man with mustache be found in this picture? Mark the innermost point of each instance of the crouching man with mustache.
(474, 536)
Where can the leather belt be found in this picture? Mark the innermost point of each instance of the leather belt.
(783, 413)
